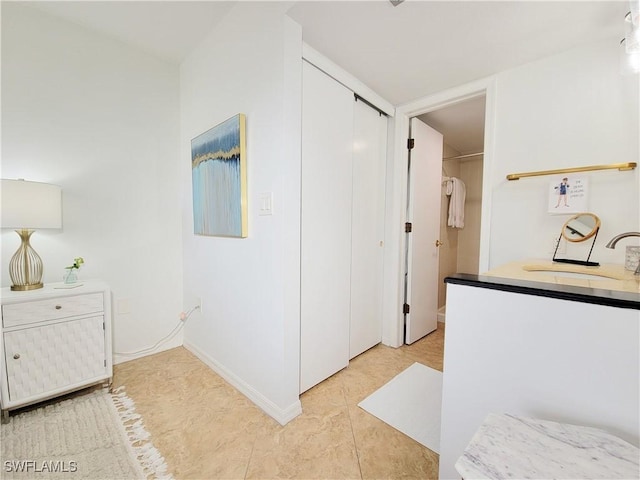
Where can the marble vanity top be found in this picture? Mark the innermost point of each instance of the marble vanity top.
(605, 276)
(508, 446)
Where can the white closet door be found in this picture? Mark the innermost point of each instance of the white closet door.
(369, 165)
(424, 213)
(327, 146)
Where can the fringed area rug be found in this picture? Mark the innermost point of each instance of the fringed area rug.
(97, 435)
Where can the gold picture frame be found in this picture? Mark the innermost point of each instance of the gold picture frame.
(219, 180)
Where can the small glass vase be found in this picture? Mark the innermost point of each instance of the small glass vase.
(71, 276)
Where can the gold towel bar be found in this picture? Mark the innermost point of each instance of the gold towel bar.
(619, 166)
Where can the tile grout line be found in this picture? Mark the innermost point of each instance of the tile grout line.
(353, 435)
(253, 449)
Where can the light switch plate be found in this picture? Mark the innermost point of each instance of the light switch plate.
(265, 203)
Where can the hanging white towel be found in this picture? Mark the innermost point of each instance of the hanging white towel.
(457, 192)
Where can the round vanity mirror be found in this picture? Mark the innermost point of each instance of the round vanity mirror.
(581, 227)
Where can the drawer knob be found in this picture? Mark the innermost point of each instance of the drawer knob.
(16, 356)
(58, 307)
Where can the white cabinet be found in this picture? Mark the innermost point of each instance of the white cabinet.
(54, 340)
(546, 357)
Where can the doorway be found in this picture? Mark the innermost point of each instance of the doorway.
(462, 127)
(395, 262)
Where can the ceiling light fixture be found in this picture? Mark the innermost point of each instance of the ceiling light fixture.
(395, 3)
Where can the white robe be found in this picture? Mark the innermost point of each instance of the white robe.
(457, 192)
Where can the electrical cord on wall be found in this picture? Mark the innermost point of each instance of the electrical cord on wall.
(184, 316)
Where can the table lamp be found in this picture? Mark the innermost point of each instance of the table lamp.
(27, 206)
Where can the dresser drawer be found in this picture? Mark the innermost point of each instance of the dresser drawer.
(15, 314)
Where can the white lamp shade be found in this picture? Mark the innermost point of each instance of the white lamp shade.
(30, 205)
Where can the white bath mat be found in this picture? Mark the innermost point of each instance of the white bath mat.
(411, 402)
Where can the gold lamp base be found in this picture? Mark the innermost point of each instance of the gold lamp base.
(25, 267)
(24, 288)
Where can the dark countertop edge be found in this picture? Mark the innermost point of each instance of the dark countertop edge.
(610, 298)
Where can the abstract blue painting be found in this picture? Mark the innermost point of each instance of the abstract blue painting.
(219, 177)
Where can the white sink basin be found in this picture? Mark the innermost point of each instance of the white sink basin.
(573, 271)
(606, 276)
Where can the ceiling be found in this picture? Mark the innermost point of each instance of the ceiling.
(166, 29)
(422, 47)
(462, 124)
(403, 53)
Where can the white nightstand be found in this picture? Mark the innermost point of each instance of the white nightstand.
(54, 340)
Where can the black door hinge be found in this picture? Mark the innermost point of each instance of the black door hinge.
(411, 143)
(408, 227)
(406, 308)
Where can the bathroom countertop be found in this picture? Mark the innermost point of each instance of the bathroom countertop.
(509, 446)
(544, 284)
(615, 277)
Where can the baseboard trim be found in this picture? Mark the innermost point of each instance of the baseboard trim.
(282, 416)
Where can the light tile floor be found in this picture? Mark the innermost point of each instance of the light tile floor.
(206, 429)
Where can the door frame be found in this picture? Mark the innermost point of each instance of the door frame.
(393, 325)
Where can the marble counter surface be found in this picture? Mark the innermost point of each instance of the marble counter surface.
(508, 446)
(614, 277)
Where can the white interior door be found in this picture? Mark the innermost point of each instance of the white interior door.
(425, 177)
(367, 231)
(327, 146)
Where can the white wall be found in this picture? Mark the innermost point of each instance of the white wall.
(568, 110)
(101, 120)
(469, 236)
(539, 357)
(448, 251)
(250, 325)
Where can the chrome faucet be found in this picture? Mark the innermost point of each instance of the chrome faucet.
(617, 238)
